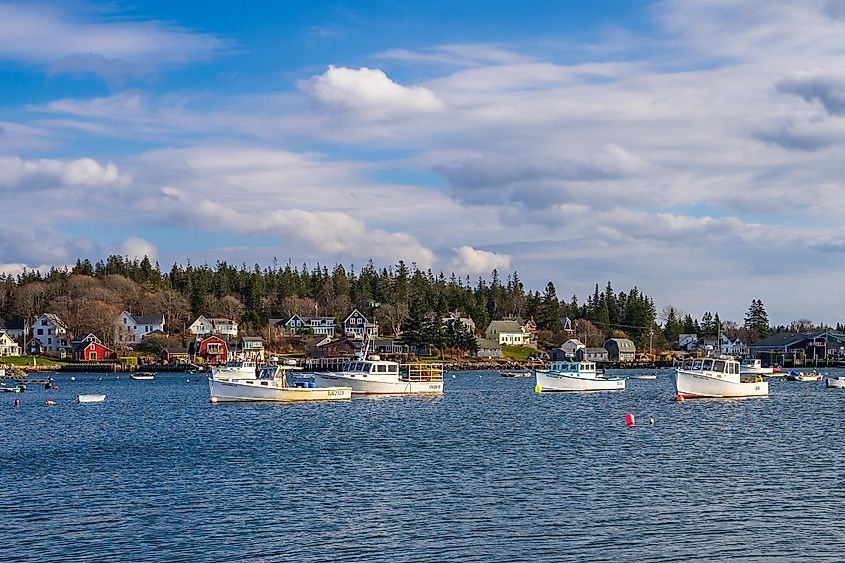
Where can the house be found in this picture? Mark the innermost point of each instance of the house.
(799, 346)
(311, 325)
(209, 350)
(356, 326)
(509, 332)
(227, 328)
(131, 329)
(620, 349)
(15, 329)
(89, 348)
(488, 348)
(465, 322)
(572, 346)
(732, 346)
(345, 348)
(51, 334)
(594, 355)
(175, 355)
(252, 348)
(388, 346)
(8, 345)
(688, 342)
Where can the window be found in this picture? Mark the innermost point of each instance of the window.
(382, 368)
(40, 331)
(49, 341)
(44, 323)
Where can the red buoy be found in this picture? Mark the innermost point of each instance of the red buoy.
(50, 402)
(679, 398)
(629, 420)
(17, 402)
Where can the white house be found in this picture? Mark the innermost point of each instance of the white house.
(131, 329)
(8, 345)
(51, 333)
(732, 346)
(572, 346)
(356, 326)
(324, 326)
(203, 326)
(509, 332)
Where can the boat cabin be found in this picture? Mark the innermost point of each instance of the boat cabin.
(573, 367)
(752, 363)
(392, 370)
(730, 367)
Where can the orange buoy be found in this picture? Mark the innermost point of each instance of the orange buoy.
(679, 398)
(55, 387)
(629, 420)
(50, 402)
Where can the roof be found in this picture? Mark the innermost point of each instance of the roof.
(504, 326)
(53, 318)
(252, 339)
(595, 350)
(352, 313)
(152, 319)
(623, 344)
(175, 350)
(486, 343)
(784, 339)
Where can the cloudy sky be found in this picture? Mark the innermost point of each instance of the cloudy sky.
(695, 148)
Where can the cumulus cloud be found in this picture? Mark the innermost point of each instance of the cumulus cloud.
(17, 173)
(469, 260)
(369, 92)
(137, 248)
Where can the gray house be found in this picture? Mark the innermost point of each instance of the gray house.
(620, 350)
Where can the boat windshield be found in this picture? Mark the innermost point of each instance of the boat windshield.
(719, 365)
(267, 373)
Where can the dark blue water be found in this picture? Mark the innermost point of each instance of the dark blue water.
(488, 472)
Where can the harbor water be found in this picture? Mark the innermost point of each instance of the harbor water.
(490, 471)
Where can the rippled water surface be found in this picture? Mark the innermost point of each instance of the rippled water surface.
(490, 471)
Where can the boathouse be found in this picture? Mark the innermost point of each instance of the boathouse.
(620, 349)
(209, 350)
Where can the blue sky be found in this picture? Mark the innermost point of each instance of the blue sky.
(690, 147)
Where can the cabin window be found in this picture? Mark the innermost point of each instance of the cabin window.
(696, 364)
(382, 368)
(392, 369)
(708, 365)
(719, 365)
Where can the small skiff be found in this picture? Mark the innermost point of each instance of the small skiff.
(143, 376)
(835, 382)
(91, 398)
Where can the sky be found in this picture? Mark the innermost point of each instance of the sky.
(693, 148)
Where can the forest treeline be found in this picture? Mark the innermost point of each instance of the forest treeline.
(89, 296)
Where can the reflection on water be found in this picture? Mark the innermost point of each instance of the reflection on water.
(489, 471)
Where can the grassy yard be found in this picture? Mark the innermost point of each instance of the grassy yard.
(517, 353)
(27, 361)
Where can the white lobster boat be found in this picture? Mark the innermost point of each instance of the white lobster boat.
(235, 370)
(752, 366)
(272, 385)
(835, 382)
(575, 376)
(716, 378)
(370, 375)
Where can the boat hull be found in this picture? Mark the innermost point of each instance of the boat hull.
(93, 398)
(233, 391)
(835, 382)
(362, 386)
(691, 385)
(551, 381)
(743, 370)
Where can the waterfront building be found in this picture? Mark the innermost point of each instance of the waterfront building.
(51, 335)
(620, 349)
(203, 326)
(131, 329)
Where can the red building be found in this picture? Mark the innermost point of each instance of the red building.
(211, 350)
(90, 349)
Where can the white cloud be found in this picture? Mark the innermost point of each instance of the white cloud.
(17, 173)
(39, 34)
(469, 260)
(137, 248)
(369, 92)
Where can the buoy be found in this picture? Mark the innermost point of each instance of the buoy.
(213, 400)
(50, 402)
(679, 398)
(538, 389)
(651, 420)
(55, 387)
(17, 402)
(629, 420)
(72, 378)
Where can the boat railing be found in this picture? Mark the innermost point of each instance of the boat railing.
(421, 372)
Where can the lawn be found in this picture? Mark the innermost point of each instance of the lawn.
(518, 353)
(27, 361)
